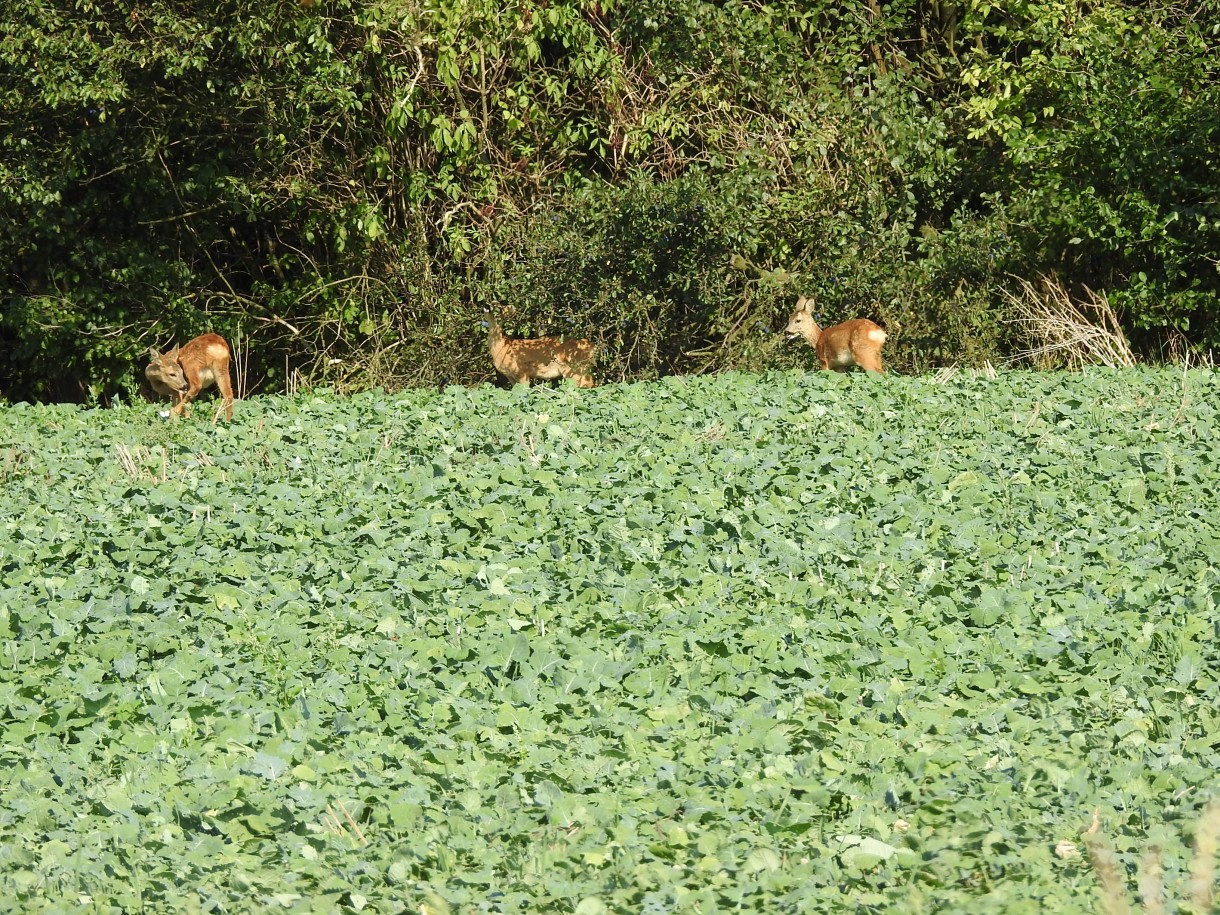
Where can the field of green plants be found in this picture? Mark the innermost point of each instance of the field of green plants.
(781, 643)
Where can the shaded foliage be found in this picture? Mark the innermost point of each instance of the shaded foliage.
(1117, 172)
(343, 187)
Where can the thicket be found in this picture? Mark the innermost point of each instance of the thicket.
(344, 188)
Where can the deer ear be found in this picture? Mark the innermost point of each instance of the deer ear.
(172, 355)
(153, 354)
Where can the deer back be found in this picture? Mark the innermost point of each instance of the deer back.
(522, 360)
(855, 342)
(204, 360)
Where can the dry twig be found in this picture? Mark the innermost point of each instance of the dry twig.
(1074, 333)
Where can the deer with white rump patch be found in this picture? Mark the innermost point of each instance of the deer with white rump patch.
(855, 342)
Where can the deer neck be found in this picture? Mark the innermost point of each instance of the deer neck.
(495, 336)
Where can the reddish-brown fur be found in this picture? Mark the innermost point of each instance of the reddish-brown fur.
(856, 342)
(185, 371)
(542, 358)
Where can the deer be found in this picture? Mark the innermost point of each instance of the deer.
(540, 358)
(855, 342)
(185, 371)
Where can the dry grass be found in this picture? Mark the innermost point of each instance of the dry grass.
(1203, 865)
(143, 463)
(1151, 880)
(14, 463)
(1108, 870)
(1065, 331)
(347, 826)
(240, 363)
(947, 373)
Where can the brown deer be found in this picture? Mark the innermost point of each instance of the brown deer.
(855, 342)
(541, 358)
(185, 371)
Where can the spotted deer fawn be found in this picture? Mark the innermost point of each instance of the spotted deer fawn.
(185, 371)
(855, 342)
(543, 358)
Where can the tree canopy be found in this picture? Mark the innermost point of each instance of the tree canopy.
(344, 189)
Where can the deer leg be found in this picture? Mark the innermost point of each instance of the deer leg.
(871, 362)
(224, 384)
(191, 393)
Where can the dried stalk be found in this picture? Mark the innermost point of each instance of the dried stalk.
(1078, 333)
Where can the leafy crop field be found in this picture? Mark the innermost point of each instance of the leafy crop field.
(798, 642)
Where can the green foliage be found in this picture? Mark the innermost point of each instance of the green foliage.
(792, 642)
(344, 184)
(132, 216)
(641, 266)
(1107, 117)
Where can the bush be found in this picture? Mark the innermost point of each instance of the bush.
(643, 267)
